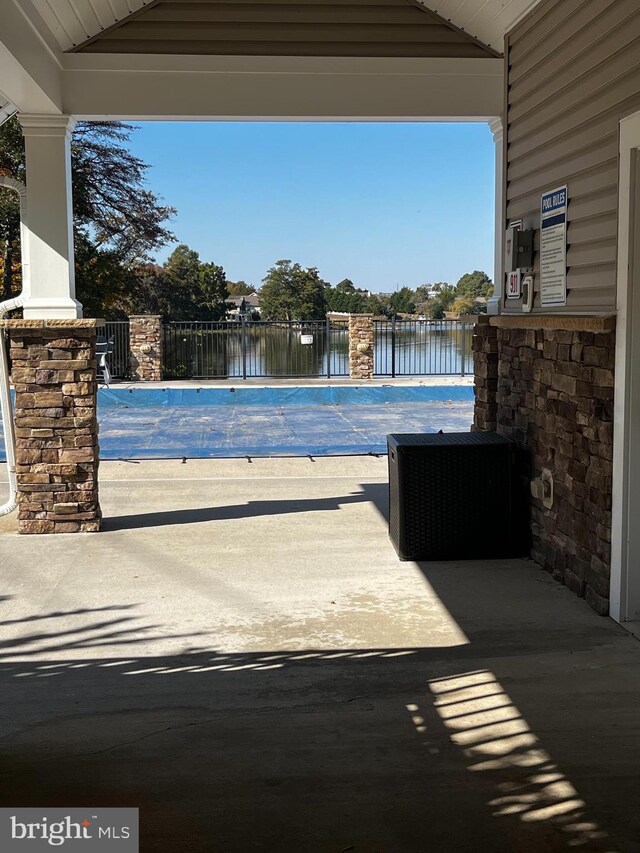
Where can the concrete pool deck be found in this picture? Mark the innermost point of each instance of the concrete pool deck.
(241, 654)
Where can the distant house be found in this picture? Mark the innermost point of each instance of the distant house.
(247, 307)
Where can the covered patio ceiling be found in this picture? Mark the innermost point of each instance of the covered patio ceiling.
(72, 22)
(348, 60)
(310, 28)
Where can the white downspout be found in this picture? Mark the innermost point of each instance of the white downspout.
(5, 307)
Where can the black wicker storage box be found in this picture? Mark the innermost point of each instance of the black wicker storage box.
(455, 496)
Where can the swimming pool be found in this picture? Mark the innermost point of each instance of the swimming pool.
(170, 422)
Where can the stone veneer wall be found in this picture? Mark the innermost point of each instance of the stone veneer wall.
(551, 389)
(361, 346)
(54, 376)
(145, 344)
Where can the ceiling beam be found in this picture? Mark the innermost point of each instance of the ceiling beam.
(281, 88)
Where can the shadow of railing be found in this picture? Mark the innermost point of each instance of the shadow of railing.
(243, 739)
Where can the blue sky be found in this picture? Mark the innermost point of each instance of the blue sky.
(386, 205)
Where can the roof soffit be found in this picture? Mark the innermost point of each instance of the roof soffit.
(289, 27)
(73, 22)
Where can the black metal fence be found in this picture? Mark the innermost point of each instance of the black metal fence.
(422, 348)
(119, 361)
(208, 350)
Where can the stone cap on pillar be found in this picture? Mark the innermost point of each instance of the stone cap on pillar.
(21, 323)
(557, 322)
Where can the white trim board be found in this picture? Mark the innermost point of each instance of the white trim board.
(625, 533)
(282, 88)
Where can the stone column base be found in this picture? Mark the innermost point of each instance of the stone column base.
(145, 342)
(54, 376)
(361, 346)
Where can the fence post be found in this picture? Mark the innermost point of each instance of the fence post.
(145, 343)
(464, 348)
(328, 332)
(393, 347)
(244, 347)
(361, 364)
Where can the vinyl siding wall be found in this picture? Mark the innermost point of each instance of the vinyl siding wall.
(573, 73)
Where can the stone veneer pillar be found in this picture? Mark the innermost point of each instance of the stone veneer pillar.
(548, 384)
(145, 343)
(54, 376)
(361, 346)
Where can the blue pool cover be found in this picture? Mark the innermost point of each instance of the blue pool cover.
(160, 423)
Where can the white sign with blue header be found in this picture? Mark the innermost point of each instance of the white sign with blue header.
(553, 247)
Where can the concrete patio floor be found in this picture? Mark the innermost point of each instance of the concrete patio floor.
(241, 655)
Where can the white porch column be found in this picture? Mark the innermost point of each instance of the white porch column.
(50, 217)
(494, 305)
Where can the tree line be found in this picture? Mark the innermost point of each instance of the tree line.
(119, 224)
(290, 292)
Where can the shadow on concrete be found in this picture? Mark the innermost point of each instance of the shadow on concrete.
(301, 751)
(61, 614)
(392, 750)
(370, 492)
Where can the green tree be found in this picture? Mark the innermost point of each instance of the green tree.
(154, 293)
(345, 296)
(182, 272)
(403, 301)
(441, 302)
(106, 284)
(383, 306)
(189, 289)
(183, 266)
(240, 288)
(374, 305)
(290, 292)
(475, 284)
(148, 294)
(212, 290)
(11, 164)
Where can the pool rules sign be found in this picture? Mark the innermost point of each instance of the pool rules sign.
(553, 247)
